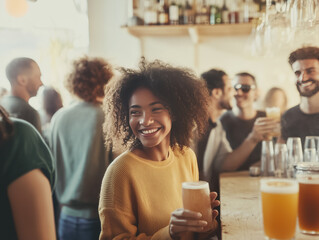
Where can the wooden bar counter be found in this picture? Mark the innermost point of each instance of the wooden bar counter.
(241, 214)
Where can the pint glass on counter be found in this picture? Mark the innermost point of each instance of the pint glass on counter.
(279, 207)
(308, 211)
(196, 198)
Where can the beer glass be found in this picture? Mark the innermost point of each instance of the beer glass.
(294, 154)
(267, 158)
(308, 212)
(279, 199)
(281, 155)
(196, 198)
(274, 113)
(310, 149)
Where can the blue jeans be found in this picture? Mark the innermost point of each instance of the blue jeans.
(78, 228)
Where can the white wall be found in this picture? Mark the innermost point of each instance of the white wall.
(229, 53)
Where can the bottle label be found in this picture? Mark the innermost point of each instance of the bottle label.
(150, 17)
(173, 13)
(225, 17)
(163, 18)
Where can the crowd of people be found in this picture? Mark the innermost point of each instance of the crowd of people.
(111, 164)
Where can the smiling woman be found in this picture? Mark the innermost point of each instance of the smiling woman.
(149, 119)
(153, 111)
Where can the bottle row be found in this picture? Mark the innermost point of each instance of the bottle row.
(174, 12)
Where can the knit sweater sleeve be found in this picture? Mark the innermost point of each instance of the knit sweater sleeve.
(118, 225)
(119, 211)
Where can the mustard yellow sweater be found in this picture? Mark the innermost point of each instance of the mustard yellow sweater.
(139, 195)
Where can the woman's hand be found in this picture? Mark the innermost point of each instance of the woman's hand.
(183, 220)
(214, 203)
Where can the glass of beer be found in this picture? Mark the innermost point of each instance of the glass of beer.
(274, 113)
(279, 199)
(196, 198)
(308, 211)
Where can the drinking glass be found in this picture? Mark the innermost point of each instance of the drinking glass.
(308, 211)
(279, 199)
(311, 149)
(196, 197)
(281, 156)
(302, 13)
(294, 154)
(274, 113)
(267, 158)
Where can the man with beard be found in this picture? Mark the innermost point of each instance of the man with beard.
(245, 127)
(302, 120)
(214, 153)
(24, 76)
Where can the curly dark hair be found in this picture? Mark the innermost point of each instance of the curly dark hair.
(304, 53)
(181, 91)
(88, 78)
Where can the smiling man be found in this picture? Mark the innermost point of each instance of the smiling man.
(302, 120)
(245, 124)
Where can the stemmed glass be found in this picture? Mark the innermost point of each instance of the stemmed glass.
(294, 154)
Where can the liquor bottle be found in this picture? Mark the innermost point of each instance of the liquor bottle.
(218, 15)
(163, 13)
(233, 13)
(202, 17)
(189, 16)
(213, 11)
(251, 10)
(180, 12)
(173, 13)
(225, 13)
(247, 14)
(150, 13)
(241, 11)
(133, 17)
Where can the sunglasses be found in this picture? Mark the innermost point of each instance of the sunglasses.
(244, 87)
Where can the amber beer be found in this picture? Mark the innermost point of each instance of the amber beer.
(308, 210)
(274, 113)
(279, 207)
(196, 198)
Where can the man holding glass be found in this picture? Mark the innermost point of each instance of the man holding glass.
(213, 151)
(302, 120)
(245, 126)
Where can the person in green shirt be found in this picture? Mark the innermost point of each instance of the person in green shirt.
(26, 180)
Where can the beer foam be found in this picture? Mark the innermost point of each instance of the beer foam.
(279, 186)
(308, 179)
(195, 185)
(272, 110)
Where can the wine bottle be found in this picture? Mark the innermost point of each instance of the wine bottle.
(163, 13)
(150, 14)
(189, 16)
(173, 13)
(225, 13)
